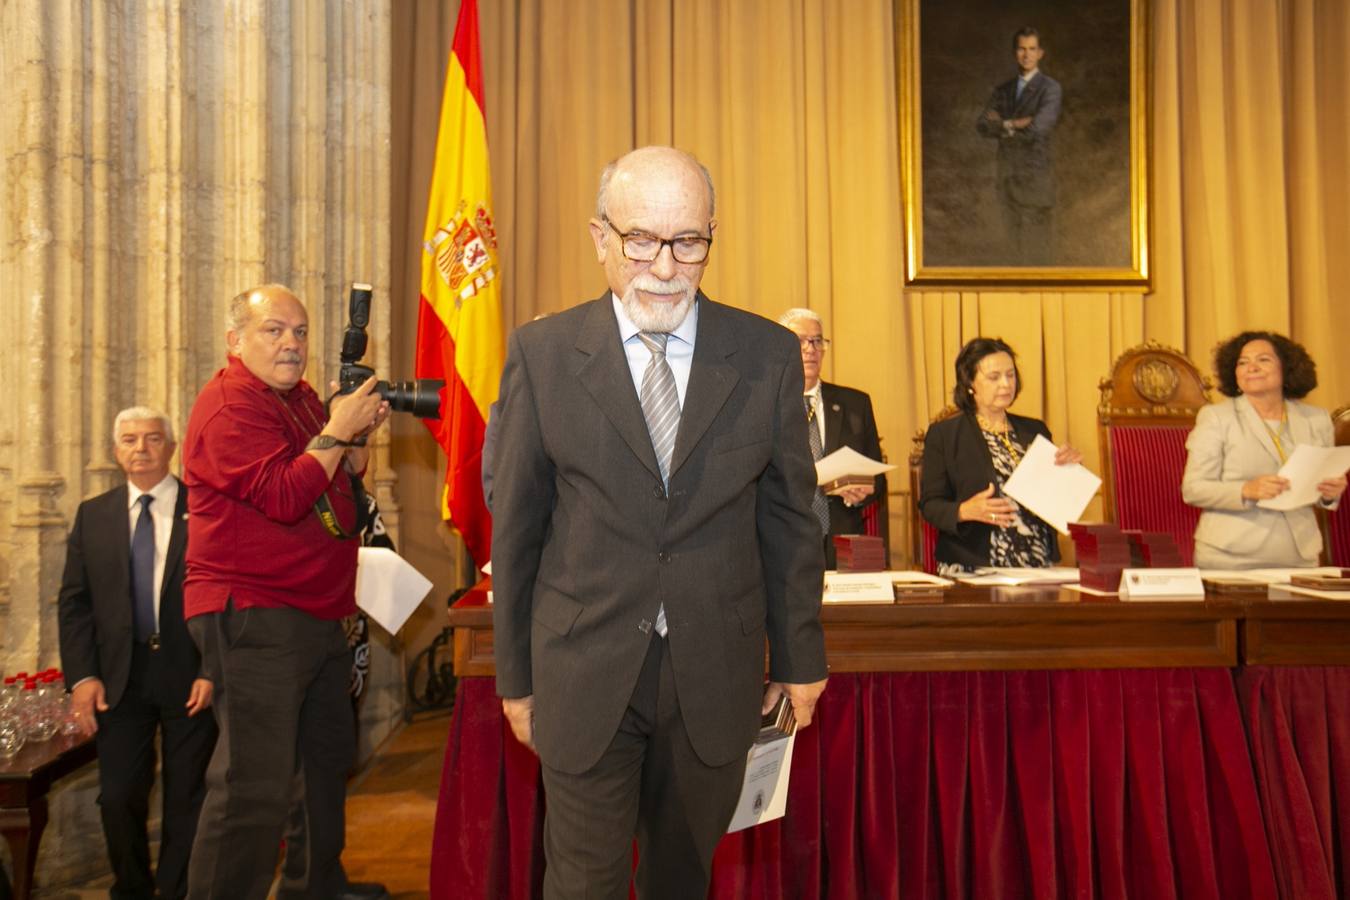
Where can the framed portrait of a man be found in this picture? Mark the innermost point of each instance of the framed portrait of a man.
(1024, 142)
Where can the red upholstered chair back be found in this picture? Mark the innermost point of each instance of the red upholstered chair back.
(1338, 522)
(1148, 407)
(923, 537)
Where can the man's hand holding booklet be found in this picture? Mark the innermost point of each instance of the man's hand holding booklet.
(764, 790)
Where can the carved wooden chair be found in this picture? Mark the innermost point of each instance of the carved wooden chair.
(923, 535)
(1337, 529)
(1147, 409)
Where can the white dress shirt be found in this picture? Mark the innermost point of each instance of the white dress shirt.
(161, 512)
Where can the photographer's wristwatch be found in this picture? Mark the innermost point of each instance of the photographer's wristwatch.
(328, 442)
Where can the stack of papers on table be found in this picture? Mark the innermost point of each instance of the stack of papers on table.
(875, 587)
(1268, 576)
(1008, 577)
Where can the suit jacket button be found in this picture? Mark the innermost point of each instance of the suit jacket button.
(645, 627)
(659, 492)
(663, 557)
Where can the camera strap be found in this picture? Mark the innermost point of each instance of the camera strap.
(323, 508)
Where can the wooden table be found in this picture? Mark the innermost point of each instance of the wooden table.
(24, 783)
(970, 628)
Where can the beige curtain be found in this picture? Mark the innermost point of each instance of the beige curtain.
(792, 106)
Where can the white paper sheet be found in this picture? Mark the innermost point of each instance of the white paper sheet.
(846, 461)
(388, 588)
(1058, 494)
(765, 788)
(1012, 577)
(1305, 467)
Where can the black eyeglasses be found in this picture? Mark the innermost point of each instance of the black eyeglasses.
(642, 247)
(818, 342)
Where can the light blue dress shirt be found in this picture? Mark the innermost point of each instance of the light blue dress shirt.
(679, 348)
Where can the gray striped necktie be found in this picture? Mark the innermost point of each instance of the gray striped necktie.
(661, 409)
(820, 505)
(660, 401)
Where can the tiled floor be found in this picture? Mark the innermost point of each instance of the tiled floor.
(391, 808)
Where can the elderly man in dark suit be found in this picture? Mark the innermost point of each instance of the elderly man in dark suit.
(652, 527)
(1021, 115)
(129, 662)
(841, 417)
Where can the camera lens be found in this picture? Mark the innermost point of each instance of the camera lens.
(421, 397)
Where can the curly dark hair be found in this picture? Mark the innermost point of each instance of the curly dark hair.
(1300, 372)
(968, 363)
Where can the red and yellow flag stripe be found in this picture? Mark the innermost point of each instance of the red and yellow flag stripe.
(459, 330)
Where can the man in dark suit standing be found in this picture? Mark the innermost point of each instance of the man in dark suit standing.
(1021, 115)
(129, 662)
(652, 528)
(841, 417)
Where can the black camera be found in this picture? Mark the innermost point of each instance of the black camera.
(421, 396)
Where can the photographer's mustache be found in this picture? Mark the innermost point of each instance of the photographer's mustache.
(289, 357)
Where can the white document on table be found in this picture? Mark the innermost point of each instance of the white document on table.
(388, 588)
(845, 462)
(765, 788)
(1010, 576)
(1304, 468)
(1058, 494)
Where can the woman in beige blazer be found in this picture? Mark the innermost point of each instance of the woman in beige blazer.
(1238, 446)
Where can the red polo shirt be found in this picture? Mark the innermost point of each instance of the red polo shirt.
(253, 533)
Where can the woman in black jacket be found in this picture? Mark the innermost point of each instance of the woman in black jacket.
(966, 460)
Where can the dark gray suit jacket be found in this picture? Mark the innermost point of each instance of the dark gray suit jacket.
(1025, 159)
(94, 607)
(588, 544)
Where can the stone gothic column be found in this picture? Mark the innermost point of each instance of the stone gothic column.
(158, 157)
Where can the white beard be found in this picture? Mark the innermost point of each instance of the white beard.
(658, 316)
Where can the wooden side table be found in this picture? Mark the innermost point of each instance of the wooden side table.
(24, 783)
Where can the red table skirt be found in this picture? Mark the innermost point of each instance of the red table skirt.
(1299, 722)
(1092, 784)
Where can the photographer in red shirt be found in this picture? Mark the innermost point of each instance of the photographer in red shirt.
(273, 533)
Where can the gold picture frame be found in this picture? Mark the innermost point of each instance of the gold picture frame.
(967, 222)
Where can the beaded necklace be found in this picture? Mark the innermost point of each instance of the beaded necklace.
(1001, 434)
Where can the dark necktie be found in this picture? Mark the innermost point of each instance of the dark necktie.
(143, 570)
(820, 504)
(661, 408)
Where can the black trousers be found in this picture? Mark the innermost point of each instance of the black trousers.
(281, 699)
(651, 783)
(126, 773)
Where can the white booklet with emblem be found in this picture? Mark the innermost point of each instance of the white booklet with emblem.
(765, 788)
(767, 768)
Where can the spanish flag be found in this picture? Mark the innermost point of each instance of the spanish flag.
(459, 327)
